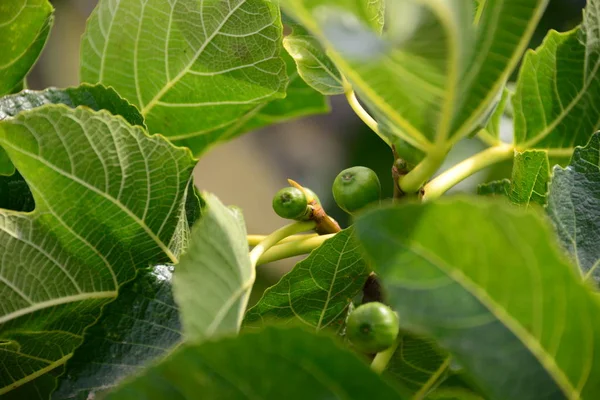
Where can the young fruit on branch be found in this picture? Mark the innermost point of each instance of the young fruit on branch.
(372, 327)
(356, 187)
(291, 203)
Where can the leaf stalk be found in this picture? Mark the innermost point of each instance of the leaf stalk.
(466, 168)
(277, 236)
(293, 248)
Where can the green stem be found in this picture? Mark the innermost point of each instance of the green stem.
(486, 137)
(253, 240)
(466, 168)
(294, 248)
(412, 182)
(382, 359)
(432, 380)
(277, 236)
(363, 114)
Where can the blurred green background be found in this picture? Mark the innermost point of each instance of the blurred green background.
(249, 170)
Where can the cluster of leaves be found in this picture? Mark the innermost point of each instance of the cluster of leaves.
(115, 271)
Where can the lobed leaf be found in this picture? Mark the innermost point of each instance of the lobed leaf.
(555, 100)
(96, 97)
(488, 283)
(272, 364)
(192, 68)
(107, 201)
(574, 207)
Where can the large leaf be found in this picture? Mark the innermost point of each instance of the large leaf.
(24, 28)
(409, 79)
(137, 328)
(504, 29)
(96, 97)
(215, 275)
(141, 325)
(107, 202)
(488, 282)
(558, 87)
(574, 207)
(192, 68)
(319, 289)
(272, 364)
(301, 100)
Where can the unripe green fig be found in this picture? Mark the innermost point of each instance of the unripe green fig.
(290, 203)
(372, 327)
(356, 187)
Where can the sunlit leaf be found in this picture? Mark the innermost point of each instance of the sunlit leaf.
(192, 68)
(107, 202)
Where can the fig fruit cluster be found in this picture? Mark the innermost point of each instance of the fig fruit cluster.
(353, 189)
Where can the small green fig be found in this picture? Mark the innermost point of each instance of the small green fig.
(290, 203)
(312, 195)
(356, 187)
(372, 327)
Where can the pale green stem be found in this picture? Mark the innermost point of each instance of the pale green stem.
(487, 138)
(291, 249)
(432, 380)
(382, 359)
(275, 237)
(253, 240)
(364, 115)
(412, 182)
(466, 168)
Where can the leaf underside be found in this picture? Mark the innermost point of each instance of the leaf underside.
(107, 200)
